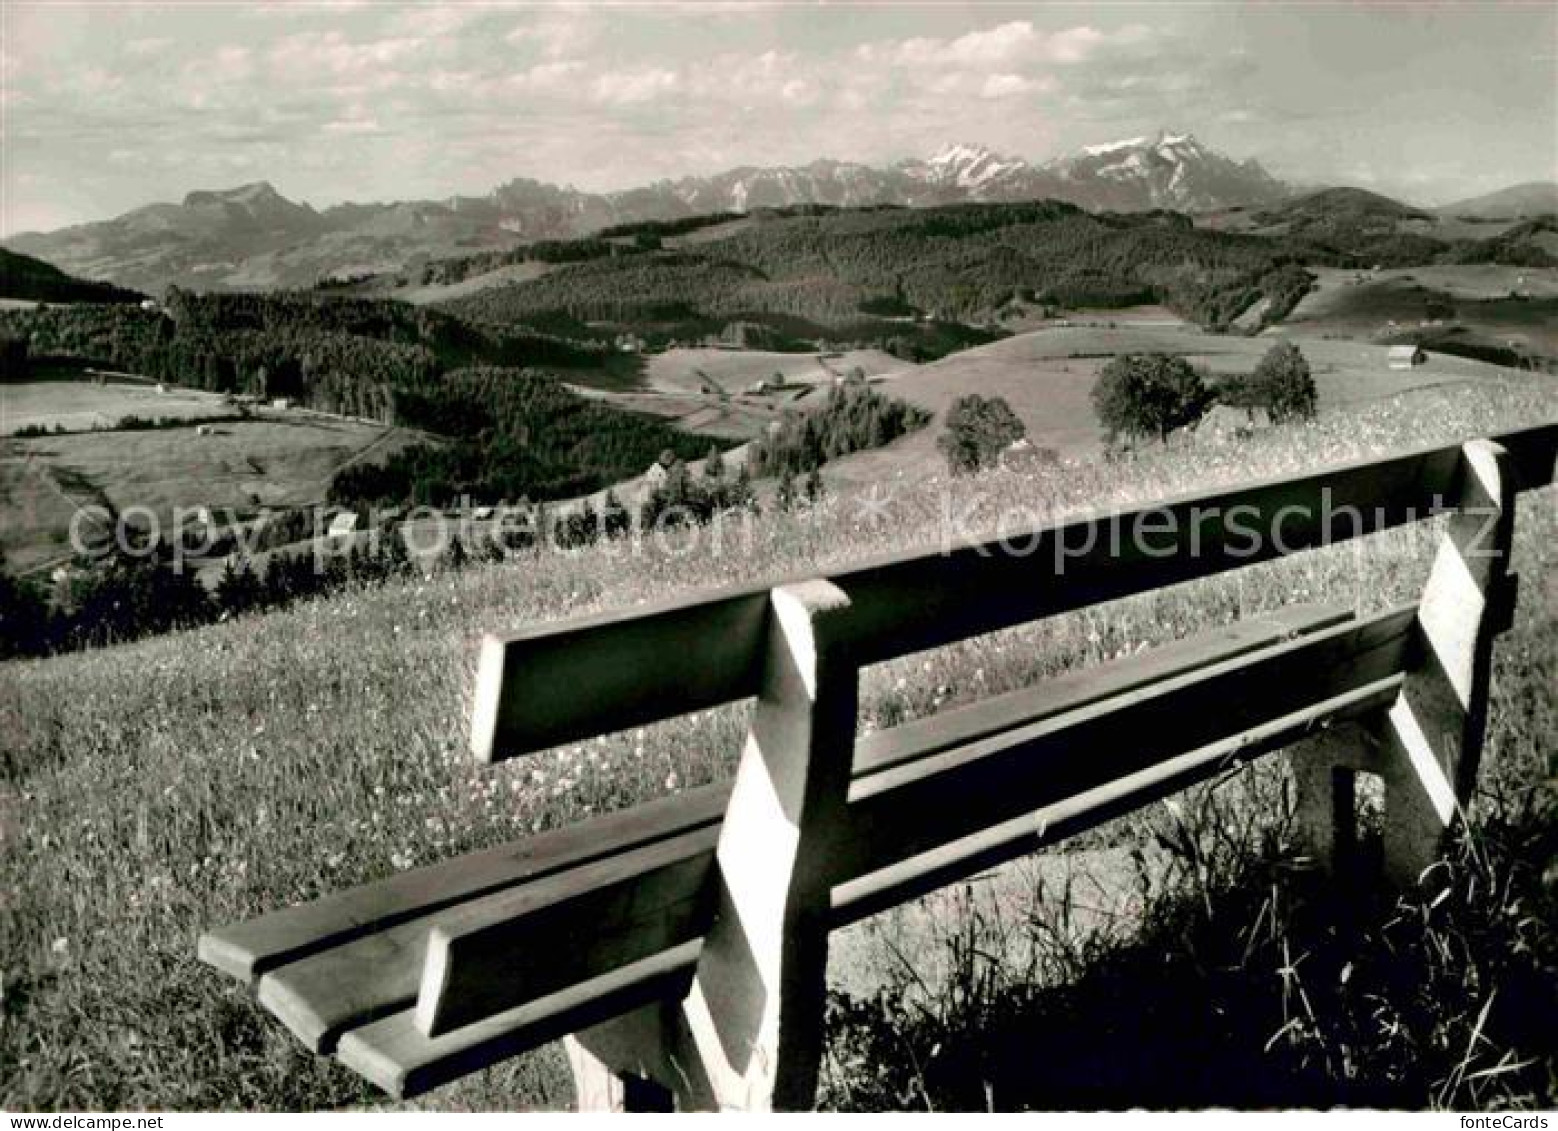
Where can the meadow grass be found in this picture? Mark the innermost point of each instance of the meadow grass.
(153, 790)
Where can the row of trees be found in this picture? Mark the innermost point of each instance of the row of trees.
(131, 597)
(854, 417)
(1150, 395)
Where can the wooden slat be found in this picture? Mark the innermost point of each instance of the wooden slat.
(322, 995)
(562, 682)
(919, 806)
(1083, 686)
(500, 952)
(546, 686)
(394, 1054)
(254, 946)
(873, 892)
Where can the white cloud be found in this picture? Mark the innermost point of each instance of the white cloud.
(623, 88)
(1007, 85)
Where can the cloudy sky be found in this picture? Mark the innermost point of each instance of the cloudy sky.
(107, 106)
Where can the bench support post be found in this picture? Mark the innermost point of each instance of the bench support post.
(1325, 779)
(1433, 733)
(600, 1087)
(1427, 746)
(749, 1034)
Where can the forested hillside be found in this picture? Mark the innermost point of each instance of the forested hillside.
(833, 271)
(516, 434)
(352, 356)
(26, 278)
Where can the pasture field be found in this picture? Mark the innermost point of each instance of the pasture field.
(1047, 377)
(738, 418)
(682, 370)
(673, 386)
(77, 404)
(1478, 297)
(151, 790)
(272, 461)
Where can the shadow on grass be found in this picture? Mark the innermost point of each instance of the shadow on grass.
(1256, 986)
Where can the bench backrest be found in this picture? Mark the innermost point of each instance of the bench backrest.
(560, 683)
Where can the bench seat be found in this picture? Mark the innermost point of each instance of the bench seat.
(375, 974)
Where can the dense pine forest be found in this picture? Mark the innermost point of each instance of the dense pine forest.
(515, 434)
(23, 277)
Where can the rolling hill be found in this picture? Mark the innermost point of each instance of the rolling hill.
(1535, 198)
(1353, 227)
(886, 276)
(1047, 377)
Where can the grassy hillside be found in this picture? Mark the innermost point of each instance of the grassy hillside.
(1511, 311)
(1350, 227)
(154, 789)
(1047, 377)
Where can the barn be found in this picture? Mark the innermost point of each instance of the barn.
(343, 525)
(1405, 357)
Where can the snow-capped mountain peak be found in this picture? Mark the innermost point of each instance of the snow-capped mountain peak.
(965, 166)
(1165, 170)
(1114, 146)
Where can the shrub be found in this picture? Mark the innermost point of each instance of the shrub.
(1285, 383)
(1281, 384)
(978, 430)
(1149, 394)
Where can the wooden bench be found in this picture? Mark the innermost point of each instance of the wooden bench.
(680, 945)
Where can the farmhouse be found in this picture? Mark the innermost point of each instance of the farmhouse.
(1405, 357)
(660, 469)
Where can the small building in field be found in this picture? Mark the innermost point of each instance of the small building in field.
(281, 402)
(660, 469)
(343, 525)
(1405, 357)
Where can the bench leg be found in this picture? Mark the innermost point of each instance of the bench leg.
(1325, 776)
(1325, 822)
(1426, 747)
(598, 1087)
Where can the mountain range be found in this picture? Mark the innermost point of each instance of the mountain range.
(253, 237)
